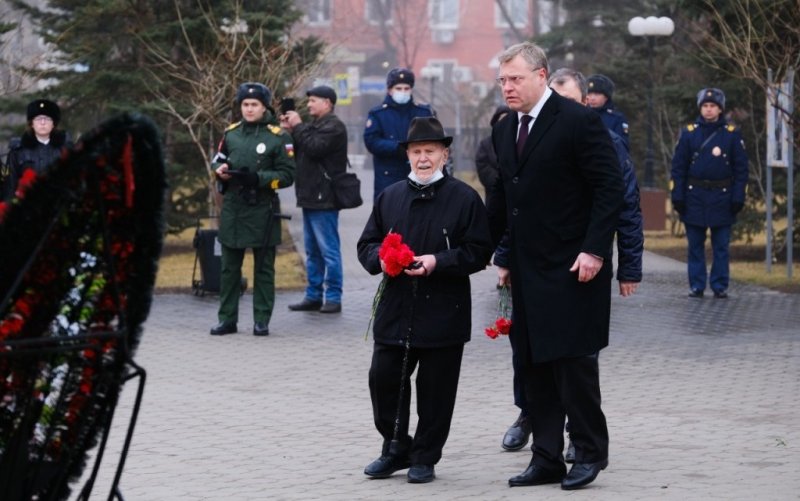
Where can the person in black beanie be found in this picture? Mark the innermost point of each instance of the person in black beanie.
(38, 147)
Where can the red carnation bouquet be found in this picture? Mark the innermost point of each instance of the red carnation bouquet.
(396, 257)
(502, 324)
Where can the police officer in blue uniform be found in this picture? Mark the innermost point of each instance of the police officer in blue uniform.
(387, 125)
(709, 177)
(601, 88)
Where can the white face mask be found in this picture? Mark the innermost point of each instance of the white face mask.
(401, 97)
(432, 179)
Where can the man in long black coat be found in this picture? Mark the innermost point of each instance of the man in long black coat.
(559, 198)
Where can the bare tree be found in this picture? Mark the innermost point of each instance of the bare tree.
(196, 91)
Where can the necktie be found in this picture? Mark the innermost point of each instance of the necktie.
(523, 133)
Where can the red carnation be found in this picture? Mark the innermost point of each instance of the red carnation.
(503, 325)
(396, 255)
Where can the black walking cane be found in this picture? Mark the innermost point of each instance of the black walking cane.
(394, 445)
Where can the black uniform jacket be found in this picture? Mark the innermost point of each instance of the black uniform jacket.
(561, 198)
(446, 219)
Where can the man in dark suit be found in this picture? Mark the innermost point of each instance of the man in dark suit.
(559, 197)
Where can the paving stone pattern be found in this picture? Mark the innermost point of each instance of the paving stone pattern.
(702, 399)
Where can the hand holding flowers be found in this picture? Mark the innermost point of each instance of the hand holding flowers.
(502, 324)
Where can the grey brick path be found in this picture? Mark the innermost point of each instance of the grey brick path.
(702, 399)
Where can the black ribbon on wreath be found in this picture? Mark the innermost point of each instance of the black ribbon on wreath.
(79, 246)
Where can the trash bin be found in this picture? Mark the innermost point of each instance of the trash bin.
(208, 252)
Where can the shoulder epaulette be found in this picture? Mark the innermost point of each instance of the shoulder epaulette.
(275, 129)
(233, 126)
(731, 127)
(691, 127)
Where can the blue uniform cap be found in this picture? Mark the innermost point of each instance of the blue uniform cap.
(711, 95)
(600, 84)
(400, 76)
(254, 90)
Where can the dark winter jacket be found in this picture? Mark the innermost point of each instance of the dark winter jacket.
(26, 152)
(446, 219)
(709, 179)
(387, 125)
(630, 229)
(266, 149)
(614, 121)
(486, 163)
(321, 149)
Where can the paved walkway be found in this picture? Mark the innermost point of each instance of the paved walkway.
(702, 399)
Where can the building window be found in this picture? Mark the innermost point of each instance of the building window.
(517, 10)
(379, 11)
(318, 12)
(444, 14)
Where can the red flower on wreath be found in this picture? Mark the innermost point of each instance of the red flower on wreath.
(25, 182)
(395, 255)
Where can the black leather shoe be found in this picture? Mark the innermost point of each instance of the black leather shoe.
(720, 294)
(536, 475)
(331, 308)
(582, 474)
(223, 328)
(306, 305)
(421, 474)
(569, 457)
(384, 466)
(517, 436)
(261, 329)
(695, 293)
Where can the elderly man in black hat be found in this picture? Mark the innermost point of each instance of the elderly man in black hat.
(321, 154)
(38, 147)
(423, 317)
(387, 126)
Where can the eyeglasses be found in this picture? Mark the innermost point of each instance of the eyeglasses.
(42, 119)
(512, 79)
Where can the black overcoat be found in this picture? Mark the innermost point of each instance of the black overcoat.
(560, 199)
(446, 219)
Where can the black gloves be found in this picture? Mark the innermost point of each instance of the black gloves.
(679, 206)
(736, 207)
(249, 179)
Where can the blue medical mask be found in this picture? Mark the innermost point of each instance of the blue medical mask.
(401, 97)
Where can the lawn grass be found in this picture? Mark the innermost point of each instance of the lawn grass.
(178, 261)
(748, 262)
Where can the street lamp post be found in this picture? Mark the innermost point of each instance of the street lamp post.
(650, 27)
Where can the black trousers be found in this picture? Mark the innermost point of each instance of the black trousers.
(438, 370)
(561, 388)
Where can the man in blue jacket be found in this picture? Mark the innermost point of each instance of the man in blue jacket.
(630, 245)
(709, 179)
(387, 125)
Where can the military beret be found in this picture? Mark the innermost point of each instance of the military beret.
(600, 84)
(711, 95)
(254, 90)
(44, 107)
(400, 76)
(322, 91)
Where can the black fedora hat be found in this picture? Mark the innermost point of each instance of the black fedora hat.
(426, 129)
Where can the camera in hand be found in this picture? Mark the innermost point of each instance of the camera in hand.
(415, 265)
(287, 104)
